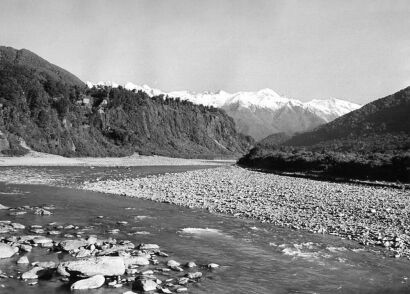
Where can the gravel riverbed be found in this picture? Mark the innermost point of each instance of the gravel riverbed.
(375, 216)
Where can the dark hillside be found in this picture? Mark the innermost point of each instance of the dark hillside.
(53, 112)
(372, 142)
(28, 59)
(383, 116)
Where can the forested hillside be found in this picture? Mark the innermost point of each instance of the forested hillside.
(52, 111)
(372, 142)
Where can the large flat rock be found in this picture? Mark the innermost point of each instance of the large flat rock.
(104, 265)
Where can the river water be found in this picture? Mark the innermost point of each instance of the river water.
(254, 257)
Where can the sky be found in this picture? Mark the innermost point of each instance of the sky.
(308, 49)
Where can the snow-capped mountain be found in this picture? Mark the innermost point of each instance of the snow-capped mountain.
(262, 113)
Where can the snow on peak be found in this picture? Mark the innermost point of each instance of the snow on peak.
(264, 98)
(332, 106)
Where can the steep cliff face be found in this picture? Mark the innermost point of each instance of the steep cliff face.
(168, 126)
(53, 112)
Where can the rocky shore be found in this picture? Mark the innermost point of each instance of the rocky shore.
(374, 216)
(71, 257)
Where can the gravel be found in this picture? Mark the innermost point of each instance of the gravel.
(371, 215)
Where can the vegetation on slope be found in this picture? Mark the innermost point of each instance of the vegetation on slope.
(53, 112)
(372, 142)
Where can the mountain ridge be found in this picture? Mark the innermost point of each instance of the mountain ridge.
(260, 113)
(31, 60)
(371, 142)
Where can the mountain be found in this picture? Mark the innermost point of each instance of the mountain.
(262, 113)
(370, 142)
(29, 60)
(388, 115)
(52, 111)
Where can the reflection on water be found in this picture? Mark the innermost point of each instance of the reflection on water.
(254, 257)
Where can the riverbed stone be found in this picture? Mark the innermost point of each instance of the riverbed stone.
(104, 265)
(148, 247)
(213, 265)
(135, 260)
(173, 263)
(6, 251)
(90, 283)
(194, 276)
(145, 285)
(71, 245)
(32, 273)
(23, 260)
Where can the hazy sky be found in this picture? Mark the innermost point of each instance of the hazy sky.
(354, 50)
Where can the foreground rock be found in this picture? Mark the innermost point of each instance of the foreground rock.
(32, 274)
(91, 283)
(6, 251)
(144, 284)
(104, 265)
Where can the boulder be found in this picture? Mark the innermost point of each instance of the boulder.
(18, 226)
(72, 245)
(144, 285)
(42, 240)
(23, 260)
(191, 264)
(195, 275)
(173, 263)
(104, 265)
(6, 251)
(135, 260)
(91, 283)
(32, 274)
(148, 247)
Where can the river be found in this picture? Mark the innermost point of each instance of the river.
(253, 257)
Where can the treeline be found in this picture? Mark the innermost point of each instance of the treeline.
(59, 117)
(394, 166)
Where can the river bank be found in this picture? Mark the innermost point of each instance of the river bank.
(254, 257)
(34, 158)
(375, 216)
(283, 260)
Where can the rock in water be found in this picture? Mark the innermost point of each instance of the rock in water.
(145, 285)
(195, 275)
(32, 274)
(135, 260)
(173, 263)
(22, 260)
(69, 245)
(91, 283)
(3, 207)
(148, 247)
(104, 265)
(6, 251)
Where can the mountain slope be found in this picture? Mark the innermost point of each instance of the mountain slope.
(371, 142)
(53, 112)
(390, 114)
(260, 113)
(32, 61)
